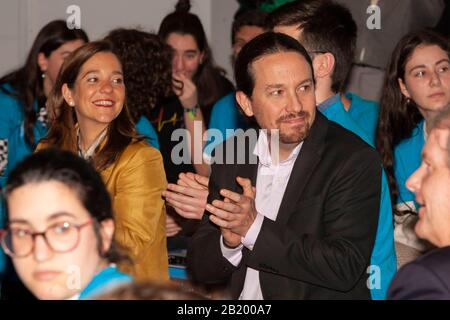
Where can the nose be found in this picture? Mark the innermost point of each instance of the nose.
(435, 79)
(414, 182)
(294, 104)
(178, 63)
(42, 251)
(106, 87)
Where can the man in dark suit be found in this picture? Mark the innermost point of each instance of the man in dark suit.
(428, 277)
(297, 218)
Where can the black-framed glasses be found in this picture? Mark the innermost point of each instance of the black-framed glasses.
(18, 242)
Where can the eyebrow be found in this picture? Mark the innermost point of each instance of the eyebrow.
(52, 217)
(98, 71)
(279, 85)
(191, 51)
(423, 66)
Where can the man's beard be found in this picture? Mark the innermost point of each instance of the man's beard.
(297, 133)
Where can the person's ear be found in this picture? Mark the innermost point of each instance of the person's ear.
(107, 233)
(67, 94)
(403, 88)
(323, 65)
(42, 62)
(245, 103)
(202, 56)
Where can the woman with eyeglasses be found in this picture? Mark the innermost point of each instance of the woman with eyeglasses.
(60, 228)
(94, 122)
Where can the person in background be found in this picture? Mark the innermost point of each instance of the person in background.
(198, 84)
(147, 70)
(23, 93)
(374, 45)
(416, 87)
(225, 113)
(60, 228)
(197, 81)
(94, 122)
(427, 278)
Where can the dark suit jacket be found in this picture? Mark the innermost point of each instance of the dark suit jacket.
(426, 278)
(320, 245)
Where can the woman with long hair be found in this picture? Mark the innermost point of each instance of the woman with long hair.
(416, 87)
(60, 228)
(23, 93)
(197, 80)
(94, 122)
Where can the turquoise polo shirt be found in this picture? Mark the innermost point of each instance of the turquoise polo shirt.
(105, 281)
(407, 159)
(365, 113)
(13, 146)
(383, 260)
(146, 129)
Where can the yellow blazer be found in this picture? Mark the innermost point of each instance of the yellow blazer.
(135, 182)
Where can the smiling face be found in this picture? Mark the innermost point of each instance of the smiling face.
(36, 207)
(431, 183)
(283, 95)
(99, 91)
(427, 79)
(186, 54)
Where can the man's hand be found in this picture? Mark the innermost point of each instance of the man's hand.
(172, 228)
(235, 214)
(188, 197)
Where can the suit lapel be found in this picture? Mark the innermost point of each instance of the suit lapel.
(304, 166)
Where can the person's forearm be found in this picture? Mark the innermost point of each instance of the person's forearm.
(196, 127)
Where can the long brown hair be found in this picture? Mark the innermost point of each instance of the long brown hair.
(62, 132)
(26, 82)
(399, 115)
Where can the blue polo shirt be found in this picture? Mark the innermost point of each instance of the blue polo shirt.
(104, 281)
(13, 146)
(146, 129)
(383, 259)
(365, 113)
(407, 159)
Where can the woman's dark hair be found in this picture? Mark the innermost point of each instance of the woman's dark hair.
(147, 68)
(79, 176)
(26, 82)
(398, 114)
(62, 133)
(208, 77)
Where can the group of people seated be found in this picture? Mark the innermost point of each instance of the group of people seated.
(300, 190)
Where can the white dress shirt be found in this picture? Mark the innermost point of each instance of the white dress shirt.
(271, 182)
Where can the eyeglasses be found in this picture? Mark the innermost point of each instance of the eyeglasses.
(61, 237)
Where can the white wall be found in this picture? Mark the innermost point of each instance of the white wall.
(21, 20)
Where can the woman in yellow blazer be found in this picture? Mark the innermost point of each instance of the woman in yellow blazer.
(92, 120)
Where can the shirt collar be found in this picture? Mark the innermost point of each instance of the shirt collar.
(329, 102)
(262, 151)
(91, 150)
